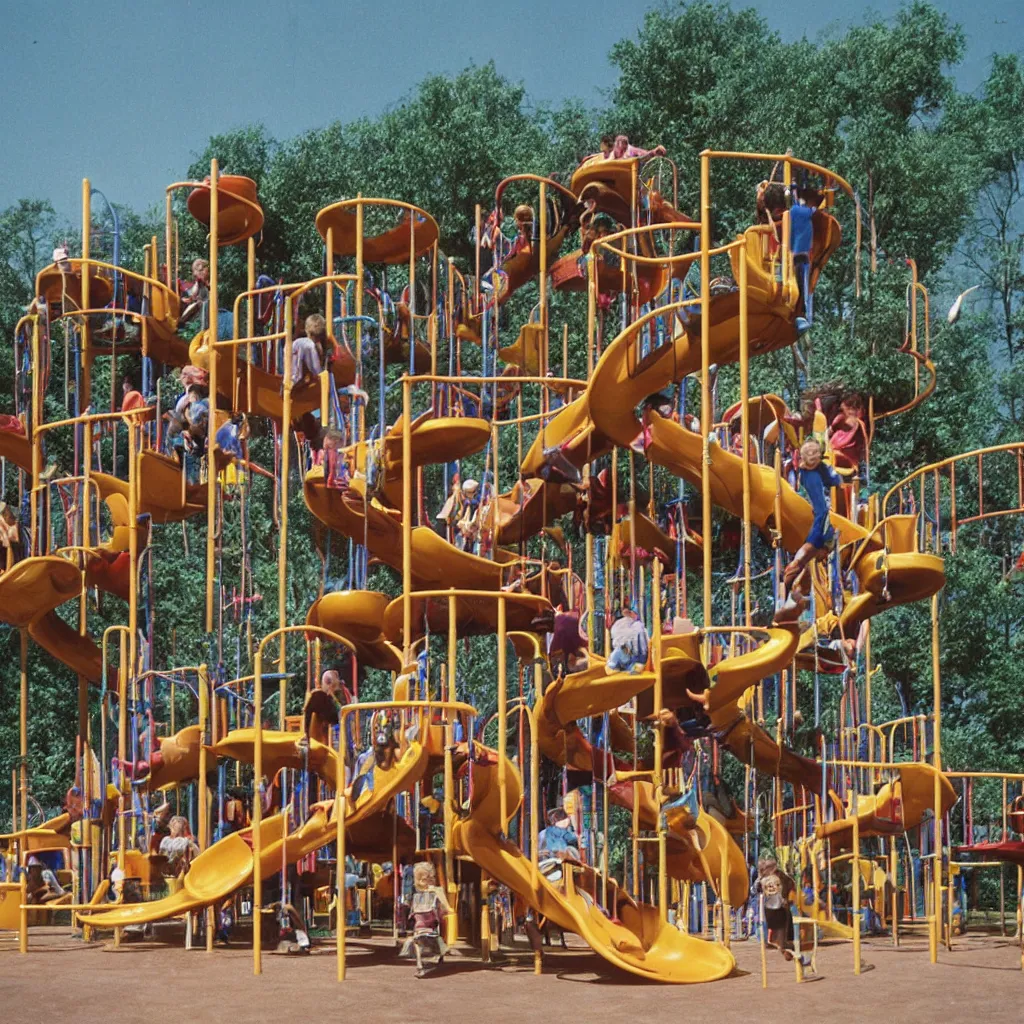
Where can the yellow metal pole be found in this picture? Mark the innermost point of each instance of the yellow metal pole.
(856, 909)
(204, 792)
(329, 297)
(449, 769)
(893, 868)
(133, 550)
(502, 709)
(591, 311)
(659, 744)
(538, 680)
(867, 692)
(23, 731)
(406, 519)
(339, 820)
(211, 442)
(543, 277)
(85, 395)
(705, 383)
(37, 441)
(745, 431)
(934, 937)
(257, 812)
(122, 742)
(359, 285)
(282, 565)
(168, 244)
(23, 914)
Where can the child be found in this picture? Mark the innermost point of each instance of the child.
(231, 435)
(801, 239)
(776, 887)
(847, 433)
(309, 351)
(622, 150)
(607, 145)
(816, 478)
(41, 883)
(568, 649)
(629, 644)
(524, 231)
(178, 846)
(195, 293)
(428, 910)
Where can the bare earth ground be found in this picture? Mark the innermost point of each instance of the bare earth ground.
(62, 980)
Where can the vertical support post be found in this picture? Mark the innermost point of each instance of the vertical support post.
(122, 752)
(282, 567)
(449, 768)
(23, 732)
(935, 933)
(257, 812)
(359, 286)
(502, 709)
(745, 430)
(339, 819)
(705, 383)
(168, 245)
(856, 909)
(542, 282)
(211, 443)
(204, 792)
(85, 392)
(23, 914)
(406, 520)
(659, 742)
(485, 915)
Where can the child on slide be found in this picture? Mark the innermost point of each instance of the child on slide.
(816, 480)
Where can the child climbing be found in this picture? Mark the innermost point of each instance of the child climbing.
(429, 909)
(816, 478)
(801, 240)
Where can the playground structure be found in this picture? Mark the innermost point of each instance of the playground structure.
(461, 392)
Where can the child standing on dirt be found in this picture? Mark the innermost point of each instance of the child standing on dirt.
(428, 911)
(776, 887)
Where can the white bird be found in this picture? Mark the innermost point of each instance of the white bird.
(957, 308)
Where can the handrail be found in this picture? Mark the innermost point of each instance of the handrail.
(86, 262)
(538, 178)
(354, 204)
(952, 460)
(818, 169)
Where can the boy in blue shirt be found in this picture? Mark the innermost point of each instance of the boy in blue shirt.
(801, 240)
(816, 479)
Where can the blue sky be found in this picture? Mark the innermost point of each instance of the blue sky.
(127, 92)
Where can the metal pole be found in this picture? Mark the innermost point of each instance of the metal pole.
(705, 383)
(211, 442)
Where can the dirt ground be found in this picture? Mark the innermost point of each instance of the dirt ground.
(62, 980)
